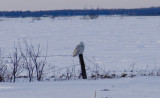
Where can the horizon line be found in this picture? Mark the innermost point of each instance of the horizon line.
(82, 9)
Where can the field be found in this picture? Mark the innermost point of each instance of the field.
(139, 87)
(114, 43)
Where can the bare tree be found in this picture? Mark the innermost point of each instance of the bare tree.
(3, 67)
(15, 58)
(28, 64)
(34, 61)
(3, 70)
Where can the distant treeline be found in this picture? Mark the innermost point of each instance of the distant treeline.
(153, 11)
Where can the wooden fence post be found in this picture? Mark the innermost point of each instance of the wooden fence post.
(83, 70)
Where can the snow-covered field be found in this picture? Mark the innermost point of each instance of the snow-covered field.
(113, 42)
(139, 87)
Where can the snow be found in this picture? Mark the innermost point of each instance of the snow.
(139, 87)
(115, 42)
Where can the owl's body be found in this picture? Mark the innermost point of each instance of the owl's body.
(79, 49)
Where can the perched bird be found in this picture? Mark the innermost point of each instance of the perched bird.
(79, 49)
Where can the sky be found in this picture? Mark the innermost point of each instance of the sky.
(35, 5)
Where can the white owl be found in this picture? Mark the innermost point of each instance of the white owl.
(79, 49)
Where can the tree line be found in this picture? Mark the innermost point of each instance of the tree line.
(153, 11)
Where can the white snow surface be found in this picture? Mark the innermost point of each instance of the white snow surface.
(113, 42)
(139, 87)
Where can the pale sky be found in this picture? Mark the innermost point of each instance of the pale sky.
(34, 5)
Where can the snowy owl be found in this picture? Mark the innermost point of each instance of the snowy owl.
(79, 49)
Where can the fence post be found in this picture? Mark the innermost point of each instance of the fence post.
(83, 70)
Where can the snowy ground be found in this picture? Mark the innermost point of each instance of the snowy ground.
(139, 87)
(114, 42)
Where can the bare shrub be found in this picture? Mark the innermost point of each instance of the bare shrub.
(15, 63)
(33, 60)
